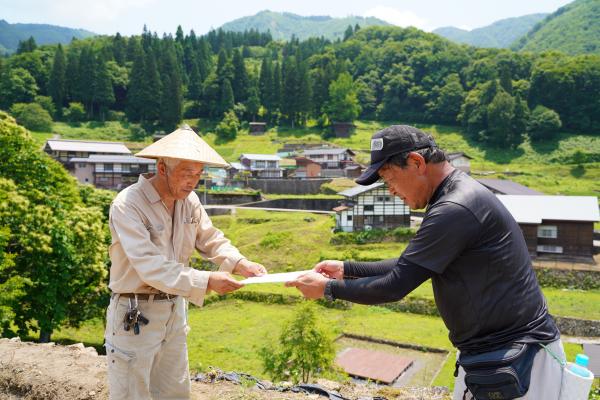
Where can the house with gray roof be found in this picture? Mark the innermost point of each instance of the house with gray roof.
(261, 165)
(505, 186)
(560, 227)
(114, 172)
(335, 162)
(370, 207)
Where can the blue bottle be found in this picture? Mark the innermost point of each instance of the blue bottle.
(580, 366)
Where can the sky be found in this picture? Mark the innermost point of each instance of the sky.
(129, 16)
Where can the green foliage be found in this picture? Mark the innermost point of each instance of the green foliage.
(32, 116)
(343, 101)
(75, 112)
(544, 123)
(17, 86)
(373, 236)
(46, 103)
(305, 349)
(572, 29)
(274, 240)
(60, 242)
(228, 128)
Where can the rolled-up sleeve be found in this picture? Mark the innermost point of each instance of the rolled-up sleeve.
(152, 267)
(214, 246)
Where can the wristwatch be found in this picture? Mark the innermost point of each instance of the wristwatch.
(327, 294)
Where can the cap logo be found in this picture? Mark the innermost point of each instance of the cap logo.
(376, 144)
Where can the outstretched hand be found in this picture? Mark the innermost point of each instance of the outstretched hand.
(311, 284)
(332, 269)
(222, 282)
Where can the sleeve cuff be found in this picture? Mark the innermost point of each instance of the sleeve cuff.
(230, 263)
(199, 287)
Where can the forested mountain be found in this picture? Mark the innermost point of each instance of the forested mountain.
(500, 34)
(12, 34)
(572, 29)
(383, 73)
(285, 25)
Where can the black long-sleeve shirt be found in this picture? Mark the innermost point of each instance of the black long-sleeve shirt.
(378, 282)
(476, 256)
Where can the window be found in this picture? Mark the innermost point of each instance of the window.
(547, 248)
(260, 164)
(108, 167)
(330, 156)
(125, 168)
(349, 218)
(547, 231)
(369, 207)
(81, 165)
(272, 164)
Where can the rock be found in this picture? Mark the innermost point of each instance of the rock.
(76, 346)
(15, 339)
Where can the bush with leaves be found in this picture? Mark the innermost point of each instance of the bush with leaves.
(60, 242)
(305, 348)
(75, 112)
(32, 116)
(228, 128)
(544, 123)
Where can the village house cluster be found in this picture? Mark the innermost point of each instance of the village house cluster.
(558, 226)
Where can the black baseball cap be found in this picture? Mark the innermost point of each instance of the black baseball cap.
(390, 141)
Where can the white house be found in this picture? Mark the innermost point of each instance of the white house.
(335, 162)
(262, 165)
(111, 171)
(371, 207)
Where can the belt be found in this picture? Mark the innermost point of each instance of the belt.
(146, 296)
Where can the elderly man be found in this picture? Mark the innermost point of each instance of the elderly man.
(156, 224)
(475, 254)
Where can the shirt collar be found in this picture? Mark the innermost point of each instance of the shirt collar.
(148, 189)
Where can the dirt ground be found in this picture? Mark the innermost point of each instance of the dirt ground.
(34, 371)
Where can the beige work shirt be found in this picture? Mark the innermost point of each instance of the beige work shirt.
(150, 251)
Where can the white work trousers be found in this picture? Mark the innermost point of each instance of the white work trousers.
(151, 365)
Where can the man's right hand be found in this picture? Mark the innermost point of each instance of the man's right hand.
(222, 282)
(333, 269)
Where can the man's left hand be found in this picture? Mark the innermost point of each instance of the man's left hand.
(248, 268)
(312, 285)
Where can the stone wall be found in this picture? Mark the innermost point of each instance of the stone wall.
(288, 186)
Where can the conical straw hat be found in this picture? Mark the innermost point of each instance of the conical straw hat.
(184, 144)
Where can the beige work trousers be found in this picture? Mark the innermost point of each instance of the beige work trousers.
(546, 376)
(151, 365)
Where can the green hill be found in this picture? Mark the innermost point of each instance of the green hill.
(500, 34)
(11, 34)
(572, 29)
(283, 25)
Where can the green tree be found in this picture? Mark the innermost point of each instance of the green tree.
(75, 112)
(253, 101)
(305, 348)
(72, 72)
(17, 86)
(348, 33)
(265, 84)
(46, 103)
(57, 84)
(104, 95)
(448, 100)
(32, 116)
(87, 76)
(60, 241)
(343, 100)
(26, 46)
(226, 98)
(500, 115)
(544, 123)
(135, 94)
(239, 84)
(228, 128)
(171, 105)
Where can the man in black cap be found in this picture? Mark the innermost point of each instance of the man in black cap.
(475, 254)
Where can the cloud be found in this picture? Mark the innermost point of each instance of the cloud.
(397, 17)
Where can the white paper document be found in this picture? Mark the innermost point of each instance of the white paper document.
(272, 278)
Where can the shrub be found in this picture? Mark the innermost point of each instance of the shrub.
(46, 103)
(75, 112)
(543, 123)
(228, 128)
(32, 116)
(305, 348)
